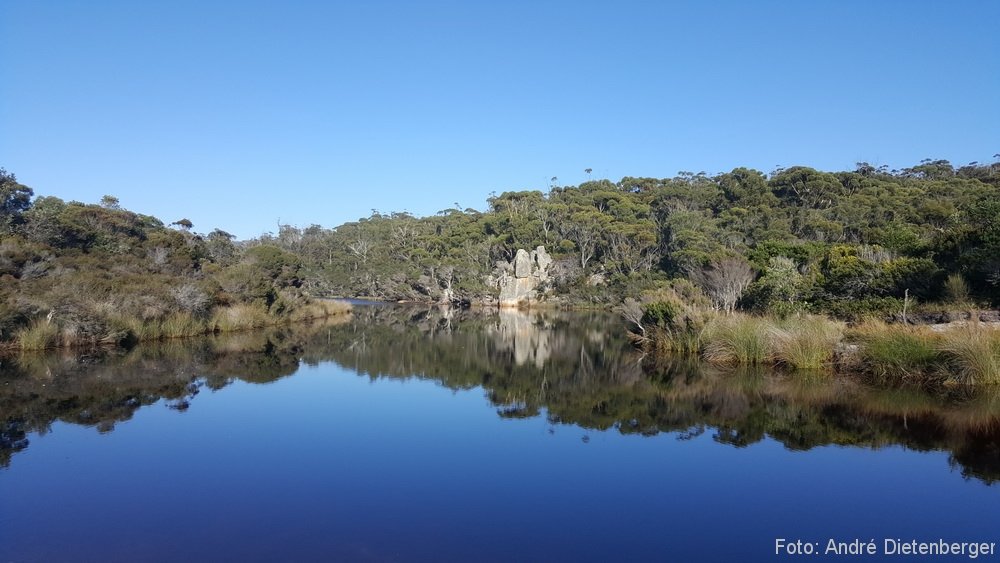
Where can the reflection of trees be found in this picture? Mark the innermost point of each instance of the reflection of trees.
(109, 386)
(576, 368)
(523, 361)
(580, 372)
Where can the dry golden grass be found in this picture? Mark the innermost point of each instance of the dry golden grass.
(242, 316)
(738, 340)
(806, 342)
(39, 335)
(319, 309)
(972, 354)
(181, 325)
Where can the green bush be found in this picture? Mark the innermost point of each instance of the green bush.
(674, 316)
(856, 309)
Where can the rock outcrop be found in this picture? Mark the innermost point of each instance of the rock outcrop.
(530, 272)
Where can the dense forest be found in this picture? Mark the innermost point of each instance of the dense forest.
(797, 239)
(835, 242)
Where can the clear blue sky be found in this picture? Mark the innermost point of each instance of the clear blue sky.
(238, 114)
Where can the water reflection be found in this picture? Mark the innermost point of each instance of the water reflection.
(573, 368)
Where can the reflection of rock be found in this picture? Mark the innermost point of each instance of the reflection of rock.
(530, 271)
(530, 341)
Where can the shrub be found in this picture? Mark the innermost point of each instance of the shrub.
(854, 309)
(11, 319)
(189, 297)
(780, 290)
(671, 318)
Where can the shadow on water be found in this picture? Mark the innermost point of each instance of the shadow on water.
(572, 368)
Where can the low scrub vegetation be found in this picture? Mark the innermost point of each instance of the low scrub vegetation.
(671, 319)
(73, 274)
(42, 334)
(965, 354)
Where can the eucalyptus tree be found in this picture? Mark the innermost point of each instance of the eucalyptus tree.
(15, 199)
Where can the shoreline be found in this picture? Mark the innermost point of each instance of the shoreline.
(224, 320)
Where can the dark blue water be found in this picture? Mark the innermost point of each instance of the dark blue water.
(326, 462)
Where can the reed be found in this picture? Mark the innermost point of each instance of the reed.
(664, 342)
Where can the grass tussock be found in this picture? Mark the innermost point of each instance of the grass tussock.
(139, 329)
(180, 325)
(806, 342)
(738, 340)
(243, 316)
(39, 335)
(897, 351)
(956, 290)
(972, 354)
(319, 309)
(809, 343)
(663, 342)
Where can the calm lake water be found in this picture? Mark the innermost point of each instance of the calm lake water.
(426, 435)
